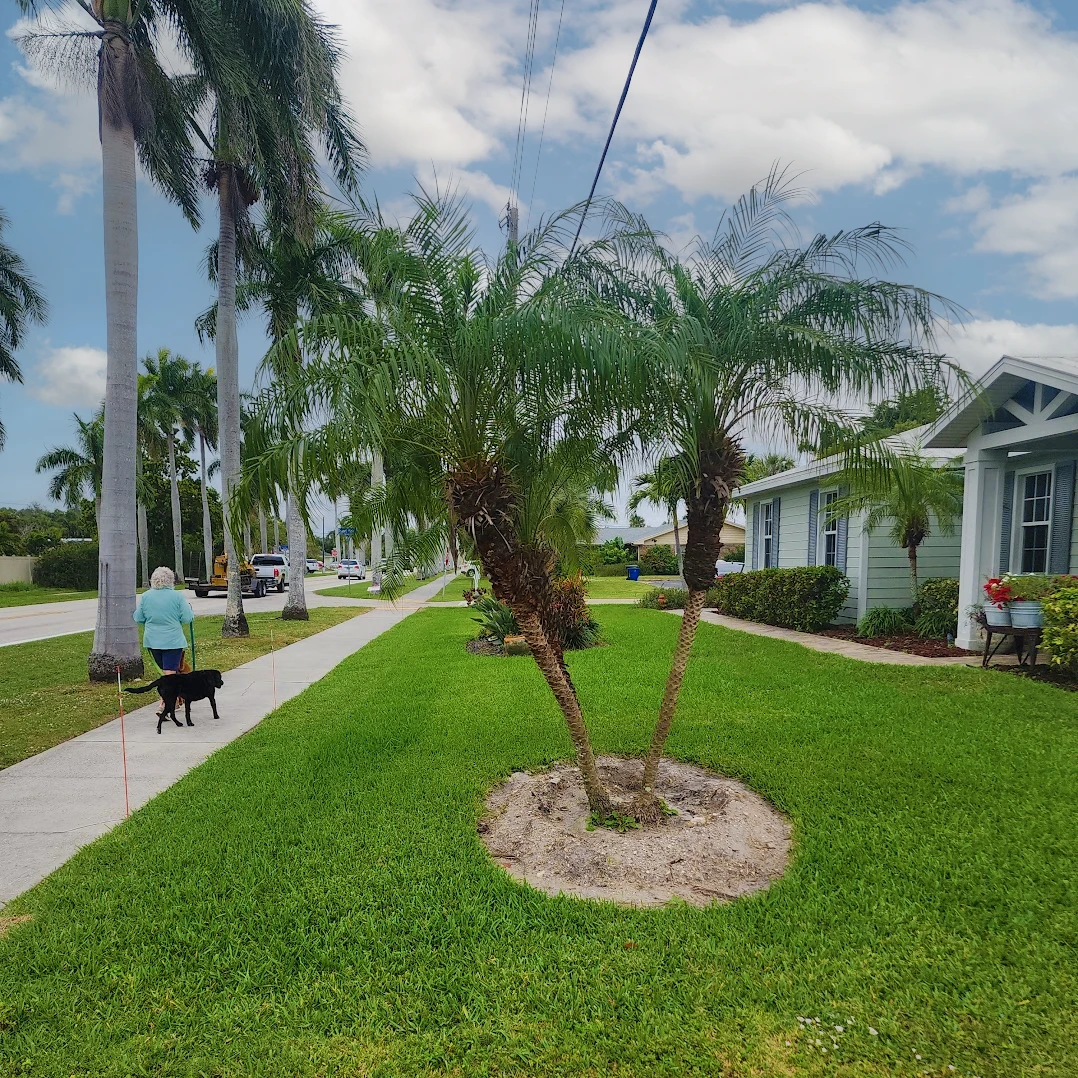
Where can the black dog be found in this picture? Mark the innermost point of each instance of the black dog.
(197, 685)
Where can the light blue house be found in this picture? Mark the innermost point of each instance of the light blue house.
(1020, 437)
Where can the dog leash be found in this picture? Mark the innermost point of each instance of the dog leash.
(191, 633)
(123, 742)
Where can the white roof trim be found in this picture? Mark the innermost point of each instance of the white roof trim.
(954, 427)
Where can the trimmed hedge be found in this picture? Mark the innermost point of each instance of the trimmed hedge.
(939, 594)
(610, 570)
(69, 565)
(806, 598)
(1061, 628)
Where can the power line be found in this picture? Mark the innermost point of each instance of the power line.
(614, 122)
(513, 213)
(546, 107)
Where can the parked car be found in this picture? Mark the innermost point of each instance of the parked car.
(272, 568)
(350, 569)
(722, 568)
(313, 566)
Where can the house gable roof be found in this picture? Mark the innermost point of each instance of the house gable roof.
(1008, 377)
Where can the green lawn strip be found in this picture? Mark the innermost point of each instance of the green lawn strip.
(455, 589)
(314, 899)
(29, 594)
(45, 697)
(357, 589)
(616, 587)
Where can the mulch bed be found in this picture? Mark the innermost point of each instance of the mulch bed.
(1050, 675)
(910, 643)
(483, 647)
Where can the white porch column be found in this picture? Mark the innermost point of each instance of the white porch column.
(982, 519)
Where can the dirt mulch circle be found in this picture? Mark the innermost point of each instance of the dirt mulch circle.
(724, 842)
(483, 647)
(910, 643)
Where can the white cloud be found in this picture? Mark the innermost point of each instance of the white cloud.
(70, 377)
(979, 343)
(1042, 225)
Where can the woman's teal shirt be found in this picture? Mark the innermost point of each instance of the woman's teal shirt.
(164, 612)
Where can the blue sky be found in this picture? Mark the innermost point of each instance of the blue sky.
(952, 119)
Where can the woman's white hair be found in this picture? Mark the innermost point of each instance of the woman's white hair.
(163, 577)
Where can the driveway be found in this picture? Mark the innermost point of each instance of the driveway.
(21, 624)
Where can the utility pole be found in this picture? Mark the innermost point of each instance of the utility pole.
(378, 478)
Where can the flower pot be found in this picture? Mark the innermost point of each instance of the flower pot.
(997, 617)
(1026, 614)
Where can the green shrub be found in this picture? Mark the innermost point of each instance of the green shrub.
(571, 619)
(674, 599)
(883, 621)
(735, 553)
(495, 620)
(70, 565)
(939, 594)
(1060, 633)
(936, 625)
(659, 560)
(806, 598)
(615, 552)
(608, 570)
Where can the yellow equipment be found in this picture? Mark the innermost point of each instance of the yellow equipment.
(250, 584)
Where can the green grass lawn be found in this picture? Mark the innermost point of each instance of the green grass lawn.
(314, 900)
(45, 697)
(27, 594)
(616, 587)
(357, 589)
(454, 589)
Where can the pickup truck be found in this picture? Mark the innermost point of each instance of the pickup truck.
(272, 568)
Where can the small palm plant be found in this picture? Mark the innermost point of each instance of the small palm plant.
(911, 495)
(78, 468)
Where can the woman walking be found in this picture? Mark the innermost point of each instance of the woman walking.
(164, 611)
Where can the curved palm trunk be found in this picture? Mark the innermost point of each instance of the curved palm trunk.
(207, 523)
(553, 673)
(911, 552)
(116, 642)
(177, 523)
(649, 807)
(228, 397)
(295, 607)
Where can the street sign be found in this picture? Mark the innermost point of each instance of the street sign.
(348, 532)
(283, 548)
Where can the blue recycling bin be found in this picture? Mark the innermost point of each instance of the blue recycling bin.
(633, 572)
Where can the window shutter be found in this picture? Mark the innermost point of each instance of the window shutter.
(775, 506)
(843, 535)
(1005, 528)
(756, 535)
(1059, 547)
(814, 514)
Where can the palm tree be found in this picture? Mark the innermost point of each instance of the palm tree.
(750, 334)
(78, 468)
(912, 493)
(170, 405)
(262, 143)
(142, 111)
(663, 487)
(204, 416)
(484, 371)
(20, 304)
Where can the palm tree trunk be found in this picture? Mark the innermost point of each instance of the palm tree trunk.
(378, 478)
(295, 607)
(177, 523)
(116, 641)
(598, 798)
(276, 533)
(677, 544)
(911, 551)
(228, 396)
(648, 807)
(97, 516)
(263, 537)
(207, 522)
(144, 543)
(246, 535)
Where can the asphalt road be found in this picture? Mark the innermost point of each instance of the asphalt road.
(21, 624)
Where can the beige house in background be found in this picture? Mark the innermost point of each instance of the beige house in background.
(732, 535)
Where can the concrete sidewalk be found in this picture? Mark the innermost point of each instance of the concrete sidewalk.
(57, 801)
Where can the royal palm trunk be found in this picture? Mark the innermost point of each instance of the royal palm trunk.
(207, 523)
(228, 394)
(116, 642)
(177, 523)
(295, 607)
(263, 538)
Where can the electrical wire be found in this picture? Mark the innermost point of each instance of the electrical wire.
(525, 100)
(546, 107)
(614, 123)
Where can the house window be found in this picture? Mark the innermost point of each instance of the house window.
(1036, 491)
(829, 530)
(768, 532)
